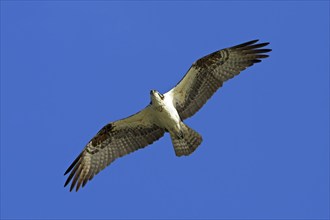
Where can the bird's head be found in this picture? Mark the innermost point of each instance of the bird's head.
(156, 97)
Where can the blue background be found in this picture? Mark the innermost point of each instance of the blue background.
(68, 68)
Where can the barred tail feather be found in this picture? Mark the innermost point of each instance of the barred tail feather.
(186, 143)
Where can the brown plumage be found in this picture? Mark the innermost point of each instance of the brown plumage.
(111, 142)
(209, 73)
(124, 136)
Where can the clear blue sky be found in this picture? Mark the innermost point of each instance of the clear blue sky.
(68, 68)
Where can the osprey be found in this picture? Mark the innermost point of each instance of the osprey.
(165, 113)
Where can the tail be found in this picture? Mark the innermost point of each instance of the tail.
(186, 142)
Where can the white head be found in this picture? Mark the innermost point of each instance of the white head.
(156, 97)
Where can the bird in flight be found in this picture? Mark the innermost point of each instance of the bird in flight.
(165, 113)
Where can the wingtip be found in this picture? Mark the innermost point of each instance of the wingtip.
(71, 187)
(254, 41)
(253, 48)
(266, 50)
(262, 50)
(248, 43)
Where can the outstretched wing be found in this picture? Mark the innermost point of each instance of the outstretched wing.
(111, 142)
(208, 74)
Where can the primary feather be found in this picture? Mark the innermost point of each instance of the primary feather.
(209, 73)
(165, 113)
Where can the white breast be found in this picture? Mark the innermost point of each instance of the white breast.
(168, 116)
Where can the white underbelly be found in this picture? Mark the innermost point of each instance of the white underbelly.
(168, 117)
